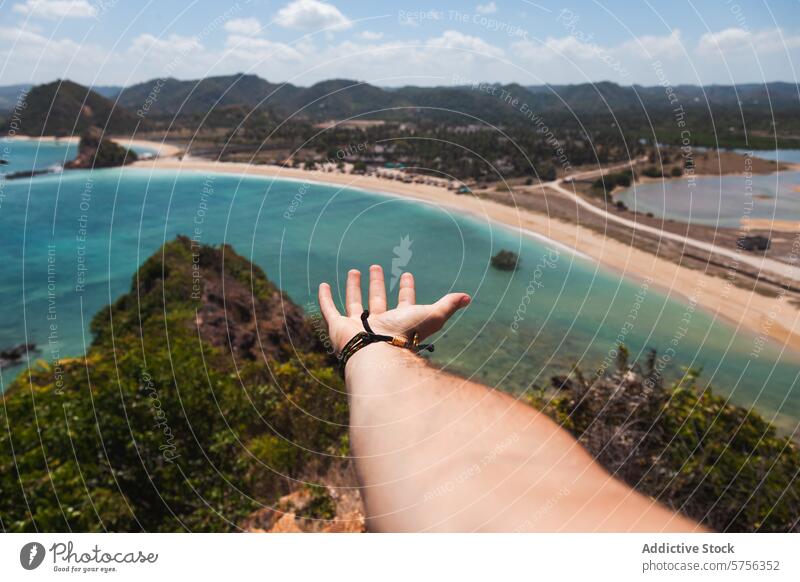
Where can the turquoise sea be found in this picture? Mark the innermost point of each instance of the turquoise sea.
(34, 154)
(556, 311)
(788, 156)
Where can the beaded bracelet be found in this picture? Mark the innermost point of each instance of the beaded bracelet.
(367, 337)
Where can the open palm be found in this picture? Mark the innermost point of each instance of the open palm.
(403, 320)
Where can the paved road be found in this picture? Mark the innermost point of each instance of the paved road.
(762, 264)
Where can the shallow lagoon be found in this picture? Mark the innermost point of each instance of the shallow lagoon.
(722, 200)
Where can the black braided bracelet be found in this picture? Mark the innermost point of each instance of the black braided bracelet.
(367, 337)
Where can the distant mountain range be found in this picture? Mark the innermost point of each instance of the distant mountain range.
(78, 106)
(339, 98)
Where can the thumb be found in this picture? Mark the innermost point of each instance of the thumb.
(450, 303)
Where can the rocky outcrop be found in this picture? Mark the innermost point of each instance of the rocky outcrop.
(332, 504)
(95, 151)
(15, 355)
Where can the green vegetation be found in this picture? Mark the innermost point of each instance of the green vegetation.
(163, 428)
(604, 185)
(320, 504)
(64, 108)
(94, 151)
(689, 448)
(652, 172)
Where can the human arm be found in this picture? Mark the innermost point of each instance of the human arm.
(435, 452)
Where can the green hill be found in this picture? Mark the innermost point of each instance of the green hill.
(171, 97)
(205, 400)
(64, 108)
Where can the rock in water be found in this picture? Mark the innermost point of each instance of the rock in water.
(15, 354)
(505, 261)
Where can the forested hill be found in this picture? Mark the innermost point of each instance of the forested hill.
(64, 108)
(208, 399)
(340, 98)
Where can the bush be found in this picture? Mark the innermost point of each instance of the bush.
(606, 184)
(685, 446)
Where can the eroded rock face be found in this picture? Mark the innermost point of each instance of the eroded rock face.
(332, 504)
(272, 327)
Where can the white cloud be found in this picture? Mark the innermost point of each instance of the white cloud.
(32, 57)
(724, 40)
(171, 46)
(251, 50)
(452, 39)
(312, 15)
(489, 8)
(551, 49)
(438, 59)
(654, 46)
(57, 8)
(245, 26)
(582, 59)
(731, 40)
(369, 35)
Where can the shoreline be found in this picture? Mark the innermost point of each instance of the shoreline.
(160, 149)
(772, 317)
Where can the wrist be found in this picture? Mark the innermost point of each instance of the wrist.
(378, 359)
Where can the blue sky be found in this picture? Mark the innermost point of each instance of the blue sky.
(397, 43)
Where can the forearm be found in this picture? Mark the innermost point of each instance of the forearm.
(436, 452)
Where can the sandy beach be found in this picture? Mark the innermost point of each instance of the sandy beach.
(775, 225)
(773, 317)
(160, 149)
(71, 139)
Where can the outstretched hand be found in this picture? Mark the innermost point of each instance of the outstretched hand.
(403, 320)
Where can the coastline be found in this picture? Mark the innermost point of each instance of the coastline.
(160, 149)
(772, 317)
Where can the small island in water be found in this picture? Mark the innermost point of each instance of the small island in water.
(505, 261)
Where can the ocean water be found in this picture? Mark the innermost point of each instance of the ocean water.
(40, 154)
(557, 310)
(788, 156)
(722, 200)
(34, 154)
